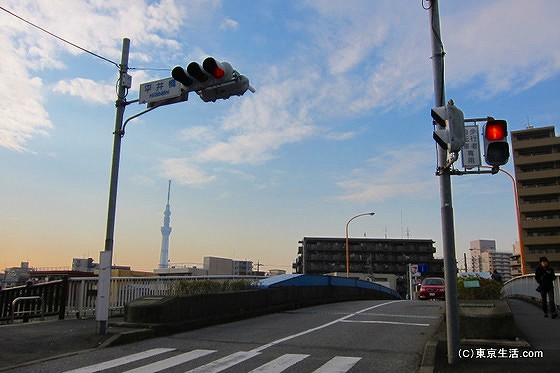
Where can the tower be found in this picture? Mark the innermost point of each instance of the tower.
(165, 232)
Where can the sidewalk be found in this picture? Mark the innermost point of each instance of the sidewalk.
(542, 335)
(29, 342)
(23, 343)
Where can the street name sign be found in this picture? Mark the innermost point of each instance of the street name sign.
(159, 90)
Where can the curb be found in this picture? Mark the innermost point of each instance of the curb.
(128, 336)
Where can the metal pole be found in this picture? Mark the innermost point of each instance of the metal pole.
(518, 216)
(447, 227)
(103, 289)
(347, 246)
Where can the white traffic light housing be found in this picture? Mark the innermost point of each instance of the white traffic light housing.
(213, 80)
(496, 146)
(450, 118)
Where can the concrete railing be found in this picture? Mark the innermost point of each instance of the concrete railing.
(525, 287)
(82, 291)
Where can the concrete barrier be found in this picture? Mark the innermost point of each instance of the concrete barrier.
(179, 313)
(486, 319)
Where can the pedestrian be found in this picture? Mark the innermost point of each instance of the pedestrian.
(544, 274)
(496, 276)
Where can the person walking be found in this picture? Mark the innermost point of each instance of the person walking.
(544, 274)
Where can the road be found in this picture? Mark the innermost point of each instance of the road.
(360, 336)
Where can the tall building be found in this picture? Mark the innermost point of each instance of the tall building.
(165, 232)
(320, 255)
(477, 248)
(485, 258)
(536, 155)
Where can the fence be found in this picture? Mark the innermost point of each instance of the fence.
(76, 296)
(82, 291)
(51, 296)
(525, 287)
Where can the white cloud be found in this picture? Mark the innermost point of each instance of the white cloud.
(229, 24)
(261, 124)
(340, 136)
(21, 103)
(395, 173)
(27, 52)
(511, 44)
(184, 172)
(87, 89)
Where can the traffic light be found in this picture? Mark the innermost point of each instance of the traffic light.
(213, 80)
(451, 118)
(496, 147)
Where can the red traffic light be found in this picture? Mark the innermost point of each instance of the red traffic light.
(218, 70)
(495, 130)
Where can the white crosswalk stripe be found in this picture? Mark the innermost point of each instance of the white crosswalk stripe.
(338, 364)
(121, 361)
(171, 362)
(280, 364)
(225, 363)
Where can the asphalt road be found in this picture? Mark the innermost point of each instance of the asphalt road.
(362, 336)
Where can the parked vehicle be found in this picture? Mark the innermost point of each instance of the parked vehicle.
(432, 288)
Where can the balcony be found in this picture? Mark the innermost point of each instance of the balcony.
(537, 175)
(522, 160)
(534, 143)
(541, 240)
(541, 223)
(535, 207)
(538, 190)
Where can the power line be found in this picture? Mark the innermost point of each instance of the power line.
(58, 37)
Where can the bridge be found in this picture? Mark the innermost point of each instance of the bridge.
(25, 341)
(75, 297)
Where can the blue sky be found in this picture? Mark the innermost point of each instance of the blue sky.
(339, 124)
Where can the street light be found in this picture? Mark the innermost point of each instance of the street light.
(347, 256)
(518, 215)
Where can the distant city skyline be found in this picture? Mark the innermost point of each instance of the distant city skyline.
(339, 124)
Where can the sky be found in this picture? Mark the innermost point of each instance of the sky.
(339, 124)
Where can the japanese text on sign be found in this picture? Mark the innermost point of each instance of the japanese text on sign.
(470, 153)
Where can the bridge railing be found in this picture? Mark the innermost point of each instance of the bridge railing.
(51, 296)
(82, 291)
(525, 287)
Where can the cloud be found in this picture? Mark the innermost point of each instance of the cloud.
(509, 44)
(229, 24)
(21, 103)
(87, 89)
(261, 124)
(340, 136)
(28, 52)
(395, 173)
(184, 172)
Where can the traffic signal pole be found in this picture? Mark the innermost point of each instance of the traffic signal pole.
(106, 256)
(447, 225)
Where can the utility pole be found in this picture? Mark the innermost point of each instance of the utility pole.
(447, 225)
(106, 256)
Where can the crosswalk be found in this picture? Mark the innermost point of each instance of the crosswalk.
(279, 364)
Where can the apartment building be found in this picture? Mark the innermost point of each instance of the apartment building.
(536, 155)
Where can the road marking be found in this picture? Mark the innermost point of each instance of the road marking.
(278, 341)
(280, 364)
(121, 361)
(171, 362)
(338, 364)
(411, 316)
(384, 322)
(225, 362)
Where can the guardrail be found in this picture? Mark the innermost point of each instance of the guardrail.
(82, 291)
(27, 307)
(53, 298)
(525, 287)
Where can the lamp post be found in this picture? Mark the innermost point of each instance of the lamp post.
(518, 216)
(347, 256)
